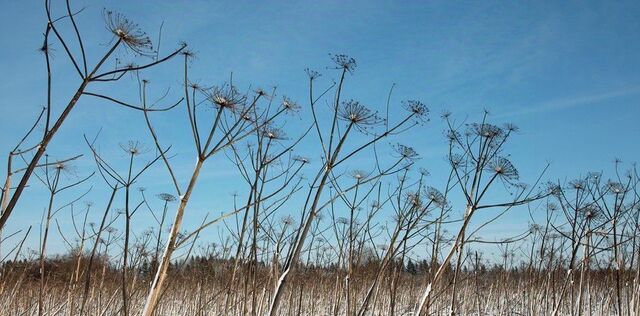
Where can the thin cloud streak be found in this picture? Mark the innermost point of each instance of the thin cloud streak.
(565, 103)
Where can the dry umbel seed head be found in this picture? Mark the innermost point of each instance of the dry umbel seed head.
(166, 197)
(134, 148)
(358, 114)
(435, 196)
(312, 74)
(273, 133)
(128, 32)
(417, 108)
(615, 187)
(289, 105)
(344, 62)
(226, 97)
(406, 152)
(503, 168)
(301, 159)
(358, 174)
(485, 130)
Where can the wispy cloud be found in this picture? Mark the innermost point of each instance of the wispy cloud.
(574, 101)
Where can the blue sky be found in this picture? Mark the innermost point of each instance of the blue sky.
(567, 73)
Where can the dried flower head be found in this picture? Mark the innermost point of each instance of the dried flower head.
(511, 128)
(344, 62)
(301, 159)
(289, 105)
(197, 86)
(166, 197)
(591, 212)
(357, 113)
(435, 196)
(61, 166)
(273, 133)
(406, 152)
(417, 108)
(226, 97)
(578, 184)
(262, 93)
(457, 161)
(615, 187)
(133, 148)
(453, 136)
(553, 189)
(312, 74)
(358, 175)
(128, 32)
(248, 117)
(535, 228)
(503, 168)
(486, 130)
(187, 53)
(288, 220)
(414, 199)
(594, 176)
(64, 168)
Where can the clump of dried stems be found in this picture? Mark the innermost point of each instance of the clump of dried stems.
(349, 233)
